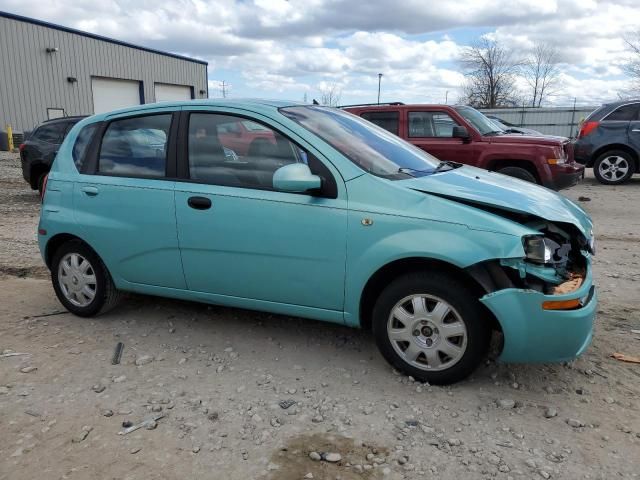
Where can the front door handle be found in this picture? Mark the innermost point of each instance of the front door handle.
(199, 203)
(91, 191)
(636, 130)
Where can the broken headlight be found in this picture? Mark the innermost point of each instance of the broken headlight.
(539, 249)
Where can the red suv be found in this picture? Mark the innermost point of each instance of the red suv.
(463, 134)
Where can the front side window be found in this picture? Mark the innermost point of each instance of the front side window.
(53, 133)
(625, 113)
(136, 146)
(431, 124)
(483, 124)
(372, 148)
(82, 143)
(231, 151)
(387, 120)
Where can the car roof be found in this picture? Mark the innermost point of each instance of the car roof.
(412, 106)
(73, 118)
(241, 103)
(619, 103)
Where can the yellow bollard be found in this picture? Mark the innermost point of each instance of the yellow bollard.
(10, 137)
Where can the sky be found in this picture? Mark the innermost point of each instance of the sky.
(295, 49)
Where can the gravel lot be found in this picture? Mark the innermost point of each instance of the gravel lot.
(248, 395)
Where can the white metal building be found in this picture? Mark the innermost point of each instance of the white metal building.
(48, 71)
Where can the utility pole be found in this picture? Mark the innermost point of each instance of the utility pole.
(223, 86)
(446, 96)
(379, 80)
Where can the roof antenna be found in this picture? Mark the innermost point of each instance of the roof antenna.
(315, 102)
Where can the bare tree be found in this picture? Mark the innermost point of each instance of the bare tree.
(541, 72)
(490, 71)
(330, 94)
(632, 67)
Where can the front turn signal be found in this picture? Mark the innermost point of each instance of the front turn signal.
(561, 304)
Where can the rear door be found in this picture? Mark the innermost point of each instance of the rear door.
(633, 130)
(432, 131)
(124, 200)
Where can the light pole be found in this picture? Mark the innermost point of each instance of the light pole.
(379, 80)
(446, 97)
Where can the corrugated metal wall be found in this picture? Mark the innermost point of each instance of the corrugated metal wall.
(32, 80)
(550, 121)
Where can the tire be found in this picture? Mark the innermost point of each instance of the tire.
(614, 167)
(465, 319)
(41, 183)
(71, 258)
(518, 172)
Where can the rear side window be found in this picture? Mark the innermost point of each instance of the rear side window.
(624, 113)
(53, 133)
(387, 120)
(82, 143)
(135, 147)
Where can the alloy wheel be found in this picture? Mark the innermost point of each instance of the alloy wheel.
(613, 168)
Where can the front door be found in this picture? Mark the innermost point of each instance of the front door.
(125, 204)
(432, 131)
(240, 238)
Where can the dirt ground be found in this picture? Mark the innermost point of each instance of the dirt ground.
(244, 395)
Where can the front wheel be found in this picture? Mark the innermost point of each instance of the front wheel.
(518, 172)
(81, 281)
(431, 326)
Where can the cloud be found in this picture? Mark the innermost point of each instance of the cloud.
(280, 47)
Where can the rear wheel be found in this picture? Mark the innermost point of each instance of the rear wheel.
(613, 167)
(431, 326)
(518, 172)
(81, 281)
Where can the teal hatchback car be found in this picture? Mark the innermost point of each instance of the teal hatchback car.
(311, 211)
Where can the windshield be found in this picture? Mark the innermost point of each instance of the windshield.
(370, 147)
(483, 124)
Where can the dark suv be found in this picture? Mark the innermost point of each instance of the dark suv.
(463, 134)
(40, 148)
(609, 142)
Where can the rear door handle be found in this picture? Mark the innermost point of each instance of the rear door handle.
(91, 191)
(199, 203)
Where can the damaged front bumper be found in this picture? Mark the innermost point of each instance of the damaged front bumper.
(535, 334)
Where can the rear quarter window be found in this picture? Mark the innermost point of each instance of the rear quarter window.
(83, 140)
(625, 113)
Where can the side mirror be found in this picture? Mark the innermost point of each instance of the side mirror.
(460, 132)
(295, 177)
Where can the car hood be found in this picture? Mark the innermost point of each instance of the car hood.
(474, 185)
(530, 139)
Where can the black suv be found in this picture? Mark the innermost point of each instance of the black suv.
(609, 142)
(40, 148)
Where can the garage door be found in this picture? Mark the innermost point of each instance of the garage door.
(170, 93)
(111, 94)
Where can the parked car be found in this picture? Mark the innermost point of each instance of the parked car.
(39, 149)
(512, 128)
(341, 221)
(463, 134)
(609, 142)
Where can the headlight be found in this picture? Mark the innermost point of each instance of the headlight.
(539, 249)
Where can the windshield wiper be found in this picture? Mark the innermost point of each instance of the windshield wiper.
(439, 168)
(446, 163)
(494, 132)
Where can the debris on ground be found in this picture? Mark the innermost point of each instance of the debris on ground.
(625, 358)
(148, 423)
(117, 354)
